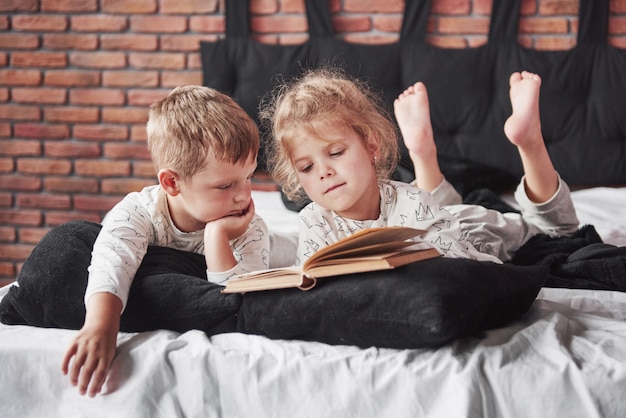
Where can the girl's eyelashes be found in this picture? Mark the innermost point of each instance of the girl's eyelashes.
(306, 168)
(337, 153)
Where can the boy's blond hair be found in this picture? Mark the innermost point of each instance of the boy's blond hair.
(308, 104)
(192, 121)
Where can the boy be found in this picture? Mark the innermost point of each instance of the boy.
(204, 148)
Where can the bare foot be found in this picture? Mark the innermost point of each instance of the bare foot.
(412, 112)
(523, 127)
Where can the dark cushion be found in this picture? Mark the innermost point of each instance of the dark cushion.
(53, 279)
(421, 305)
(247, 70)
(424, 304)
(170, 290)
(582, 98)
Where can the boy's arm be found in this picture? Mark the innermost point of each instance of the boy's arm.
(119, 249)
(229, 254)
(217, 251)
(93, 348)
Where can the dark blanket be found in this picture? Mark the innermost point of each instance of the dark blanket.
(578, 261)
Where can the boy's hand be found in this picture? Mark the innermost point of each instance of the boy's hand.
(92, 351)
(230, 226)
(217, 234)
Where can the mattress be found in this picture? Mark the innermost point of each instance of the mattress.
(565, 357)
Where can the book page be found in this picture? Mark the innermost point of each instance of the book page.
(365, 238)
(368, 263)
(376, 249)
(367, 250)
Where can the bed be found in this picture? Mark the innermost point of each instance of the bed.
(546, 336)
(565, 357)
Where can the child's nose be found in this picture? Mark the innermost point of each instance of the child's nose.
(243, 192)
(325, 170)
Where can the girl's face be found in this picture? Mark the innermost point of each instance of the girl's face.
(337, 171)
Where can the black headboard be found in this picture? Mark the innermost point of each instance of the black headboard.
(582, 102)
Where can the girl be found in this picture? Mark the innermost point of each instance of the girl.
(333, 142)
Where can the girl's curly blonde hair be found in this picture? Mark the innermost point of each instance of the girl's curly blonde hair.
(315, 99)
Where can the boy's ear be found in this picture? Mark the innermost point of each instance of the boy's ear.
(169, 180)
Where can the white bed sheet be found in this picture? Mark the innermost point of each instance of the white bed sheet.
(565, 357)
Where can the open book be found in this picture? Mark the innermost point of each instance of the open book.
(367, 250)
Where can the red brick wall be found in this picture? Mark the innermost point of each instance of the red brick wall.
(76, 78)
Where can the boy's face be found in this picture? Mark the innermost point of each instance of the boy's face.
(338, 173)
(221, 189)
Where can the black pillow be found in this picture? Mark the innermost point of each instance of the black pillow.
(424, 304)
(582, 98)
(248, 70)
(53, 279)
(170, 290)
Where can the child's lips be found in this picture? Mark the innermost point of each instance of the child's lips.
(335, 187)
